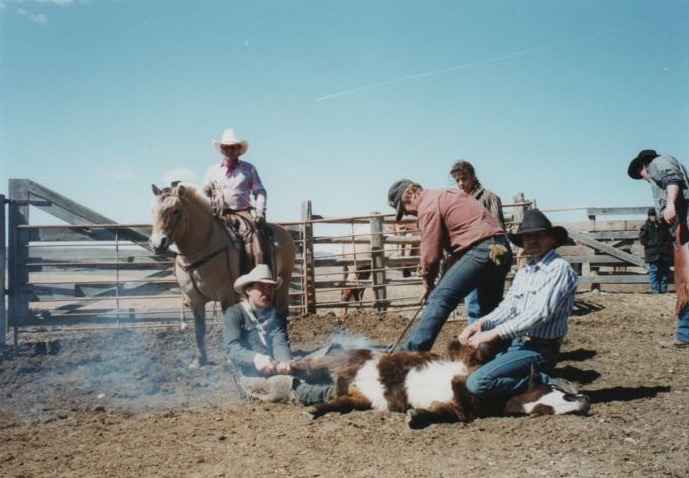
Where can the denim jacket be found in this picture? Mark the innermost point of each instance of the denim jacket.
(245, 335)
(665, 170)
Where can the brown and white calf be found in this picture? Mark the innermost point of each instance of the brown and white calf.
(429, 387)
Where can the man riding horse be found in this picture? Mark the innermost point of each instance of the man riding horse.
(230, 184)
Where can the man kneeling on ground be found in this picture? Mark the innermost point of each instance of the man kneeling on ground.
(532, 318)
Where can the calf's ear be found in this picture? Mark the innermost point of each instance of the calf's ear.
(453, 349)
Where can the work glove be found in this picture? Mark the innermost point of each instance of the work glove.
(264, 363)
(497, 253)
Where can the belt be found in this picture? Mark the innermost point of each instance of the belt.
(498, 239)
(542, 342)
(233, 211)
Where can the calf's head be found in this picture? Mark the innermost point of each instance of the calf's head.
(546, 399)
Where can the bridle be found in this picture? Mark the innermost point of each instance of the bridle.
(189, 268)
(167, 192)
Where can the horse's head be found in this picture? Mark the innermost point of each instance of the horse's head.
(168, 217)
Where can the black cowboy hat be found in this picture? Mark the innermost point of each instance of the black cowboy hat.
(395, 196)
(642, 159)
(535, 221)
(652, 211)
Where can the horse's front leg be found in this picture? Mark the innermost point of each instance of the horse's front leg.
(201, 359)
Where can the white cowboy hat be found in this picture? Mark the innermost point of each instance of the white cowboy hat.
(260, 273)
(229, 138)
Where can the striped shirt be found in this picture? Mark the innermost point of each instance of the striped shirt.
(539, 301)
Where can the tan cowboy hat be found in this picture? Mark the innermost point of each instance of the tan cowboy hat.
(261, 273)
(228, 139)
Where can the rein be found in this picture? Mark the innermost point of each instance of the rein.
(189, 268)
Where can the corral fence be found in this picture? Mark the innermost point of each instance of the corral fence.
(93, 272)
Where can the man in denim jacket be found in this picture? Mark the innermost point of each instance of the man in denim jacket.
(670, 187)
(256, 343)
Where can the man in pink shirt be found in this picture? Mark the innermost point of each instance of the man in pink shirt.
(452, 222)
(231, 182)
(230, 185)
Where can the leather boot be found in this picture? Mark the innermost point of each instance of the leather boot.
(274, 389)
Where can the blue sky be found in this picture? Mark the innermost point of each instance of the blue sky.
(338, 99)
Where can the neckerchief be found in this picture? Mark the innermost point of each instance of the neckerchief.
(260, 325)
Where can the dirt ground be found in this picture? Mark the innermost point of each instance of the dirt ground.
(123, 403)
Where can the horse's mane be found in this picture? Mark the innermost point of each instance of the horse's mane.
(195, 193)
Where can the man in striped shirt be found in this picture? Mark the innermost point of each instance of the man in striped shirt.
(532, 316)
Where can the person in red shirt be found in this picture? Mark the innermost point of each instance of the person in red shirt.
(452, 223)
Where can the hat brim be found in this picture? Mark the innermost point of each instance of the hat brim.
(243, 143)
(241, 285)
(400, 211)
(634, 169)
(561, 236)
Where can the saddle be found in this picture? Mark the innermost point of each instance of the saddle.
(254, 243)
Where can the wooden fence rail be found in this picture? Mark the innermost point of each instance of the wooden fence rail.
(93, 272)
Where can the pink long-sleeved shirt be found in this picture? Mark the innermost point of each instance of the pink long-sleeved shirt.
(236, 186)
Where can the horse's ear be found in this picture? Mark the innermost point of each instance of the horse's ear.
(156, 190)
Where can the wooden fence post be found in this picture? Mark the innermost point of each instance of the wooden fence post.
(378, 262)
(17, 273)
(3, 316)
(308, 268)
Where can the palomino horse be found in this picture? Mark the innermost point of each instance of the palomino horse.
(208, 261)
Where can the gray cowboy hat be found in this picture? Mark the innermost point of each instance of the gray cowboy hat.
(535, 221)
(261, 273)
(395, 196)
(642, 159)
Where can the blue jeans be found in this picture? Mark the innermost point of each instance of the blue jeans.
(472, 306)
(658, 276)
(474, 270)
(312, 393)
(508, 373)
(682, 328)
